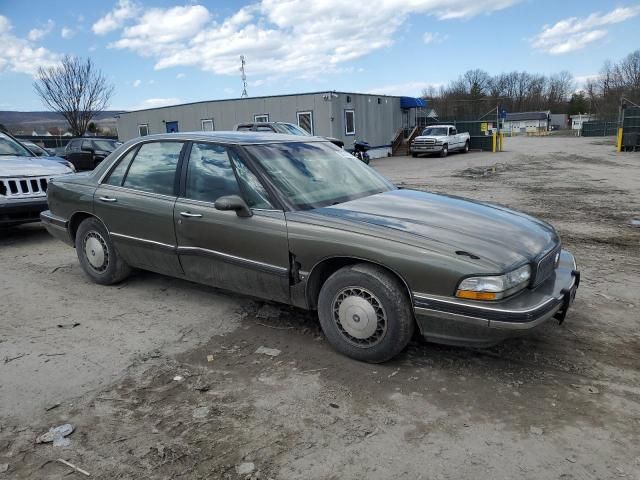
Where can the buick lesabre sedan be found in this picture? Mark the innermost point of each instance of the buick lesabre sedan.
(297, 220)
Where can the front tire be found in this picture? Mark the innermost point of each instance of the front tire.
(414, 155)
(445, 151)
(365, 313)
(97, 255)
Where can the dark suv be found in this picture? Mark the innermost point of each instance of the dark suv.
(281, 127)
(87, 153)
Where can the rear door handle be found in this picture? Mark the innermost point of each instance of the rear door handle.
(190, 215)
(108, 199)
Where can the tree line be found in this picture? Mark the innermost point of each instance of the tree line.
(476, 93)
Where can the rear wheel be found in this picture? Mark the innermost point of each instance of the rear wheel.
(365, 313)
(445, 151)
(466, 147)
(97, 255)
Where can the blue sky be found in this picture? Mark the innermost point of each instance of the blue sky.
(161, 52)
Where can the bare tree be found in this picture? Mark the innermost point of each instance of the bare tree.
(75, 89)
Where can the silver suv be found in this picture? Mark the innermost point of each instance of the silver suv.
(23, 182)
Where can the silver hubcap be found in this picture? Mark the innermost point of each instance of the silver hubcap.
(96, 252)
(359, 316)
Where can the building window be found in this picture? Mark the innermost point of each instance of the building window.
(348, 98)
(143, 130)
(263, 117)
(207, 125)
(349, 122)
(305, 121)
(379, 101)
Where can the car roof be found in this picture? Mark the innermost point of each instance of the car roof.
(238, 138)
(439, 126)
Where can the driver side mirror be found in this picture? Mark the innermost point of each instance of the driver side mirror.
(235, 203)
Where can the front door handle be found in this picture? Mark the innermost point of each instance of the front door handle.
(190, 215)
(108, 199)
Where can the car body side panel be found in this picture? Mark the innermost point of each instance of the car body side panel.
(141, 227)
(247, 255)
(312, 240)
(66, 198)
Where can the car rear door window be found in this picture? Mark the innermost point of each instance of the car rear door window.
(117, 174)
(154, 168)
(209, 173)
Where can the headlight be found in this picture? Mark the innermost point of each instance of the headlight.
(494, 287)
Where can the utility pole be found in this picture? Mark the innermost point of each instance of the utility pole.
(244, 78)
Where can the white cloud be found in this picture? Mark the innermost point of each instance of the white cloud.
(434, 37)
(125, 10)
(21, 55)
(408, 88)
(282, 36)
(180, 75)
(36, 34)
(156, 103)
(136, 83)
(575, 33)
(67, 33)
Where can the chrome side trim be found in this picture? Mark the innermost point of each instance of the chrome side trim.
(52, 219)
(243, 262)
(435, 299)
(139, 192)
(525, 325)
(143, 240)
(427, 312)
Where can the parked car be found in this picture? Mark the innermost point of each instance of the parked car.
(23, 182)
(281, 127)
(87, 153)
(299, 221)
(440, 139)
(36, 149)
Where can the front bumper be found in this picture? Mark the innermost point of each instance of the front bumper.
(16, 211)
(465, 322)
(425, 148)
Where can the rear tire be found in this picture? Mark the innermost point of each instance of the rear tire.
(445, 151)
(97, 255)
(365, 313)
(466, 147)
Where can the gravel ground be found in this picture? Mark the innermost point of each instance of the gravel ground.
(563, 402)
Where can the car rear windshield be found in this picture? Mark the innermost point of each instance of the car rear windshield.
(9, 147)
(435, 131)
(317, 174)
(105, 145)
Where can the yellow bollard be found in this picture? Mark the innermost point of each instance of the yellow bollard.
(501, 142)
(493, 143)
(619, 142)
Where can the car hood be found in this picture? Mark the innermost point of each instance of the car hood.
(502, 238)
(14, 166)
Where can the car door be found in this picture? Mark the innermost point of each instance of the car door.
(244, 254)
(135, 201)
(454, 140)
(71, 152)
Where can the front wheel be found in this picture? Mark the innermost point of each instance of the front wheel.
(97, 255)
(365, 313)
(445, 151)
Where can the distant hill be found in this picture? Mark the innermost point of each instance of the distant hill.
(27, 122)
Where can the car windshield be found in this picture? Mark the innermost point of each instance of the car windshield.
(9, 147)
(441, 131)
(317, 174)
(105, 145)
(292, 129)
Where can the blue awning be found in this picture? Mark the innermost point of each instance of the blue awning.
(412, 102)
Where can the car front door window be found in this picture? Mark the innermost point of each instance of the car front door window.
(209, 173)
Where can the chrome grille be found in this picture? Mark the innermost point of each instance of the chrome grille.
(424, 141)
(545, 266)
(24, 187)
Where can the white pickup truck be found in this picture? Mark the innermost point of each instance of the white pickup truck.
(440, 139)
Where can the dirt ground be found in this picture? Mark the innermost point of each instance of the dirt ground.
(161, 380)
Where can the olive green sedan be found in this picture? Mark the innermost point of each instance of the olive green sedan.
(299, 221)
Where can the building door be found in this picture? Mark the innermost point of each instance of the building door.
(172, 127)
